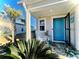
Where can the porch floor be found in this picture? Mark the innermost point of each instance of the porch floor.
(64, 50)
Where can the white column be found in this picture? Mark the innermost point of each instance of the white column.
(77, 27)
(28, 22)
(28, 25)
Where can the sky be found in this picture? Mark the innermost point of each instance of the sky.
(13, 4)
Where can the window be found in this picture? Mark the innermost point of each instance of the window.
(42, 25)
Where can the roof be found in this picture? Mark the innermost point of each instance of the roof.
(42, 8)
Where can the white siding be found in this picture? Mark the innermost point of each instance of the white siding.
(49, 27)
(72, 27)
(75, 27)
(40, 35)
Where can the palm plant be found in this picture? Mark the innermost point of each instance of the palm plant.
(5, 31)
(13, 15)
(33, 49)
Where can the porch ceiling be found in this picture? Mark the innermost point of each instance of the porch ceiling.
(42, 8)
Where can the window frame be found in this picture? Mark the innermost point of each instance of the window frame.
(44, 24)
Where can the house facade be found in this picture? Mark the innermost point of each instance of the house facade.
(58, 18)
(20, 27)
(62, 28)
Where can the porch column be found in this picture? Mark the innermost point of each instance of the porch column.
(28, 22)
(28, 25)
(77, 27)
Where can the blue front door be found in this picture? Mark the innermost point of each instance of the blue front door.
(58, 28)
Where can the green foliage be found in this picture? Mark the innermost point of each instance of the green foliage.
(12, 13)
(32, 49)
(73, 53)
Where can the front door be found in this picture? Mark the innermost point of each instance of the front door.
(58, 27)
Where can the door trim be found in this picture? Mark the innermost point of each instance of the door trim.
(68, 15)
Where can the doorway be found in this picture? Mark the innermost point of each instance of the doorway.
(58, 29)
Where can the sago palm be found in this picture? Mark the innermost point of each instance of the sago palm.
(33, 49)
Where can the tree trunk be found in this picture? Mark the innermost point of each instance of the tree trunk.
(14, 30)
(14, 27)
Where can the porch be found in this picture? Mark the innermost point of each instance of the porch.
(49, 10)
